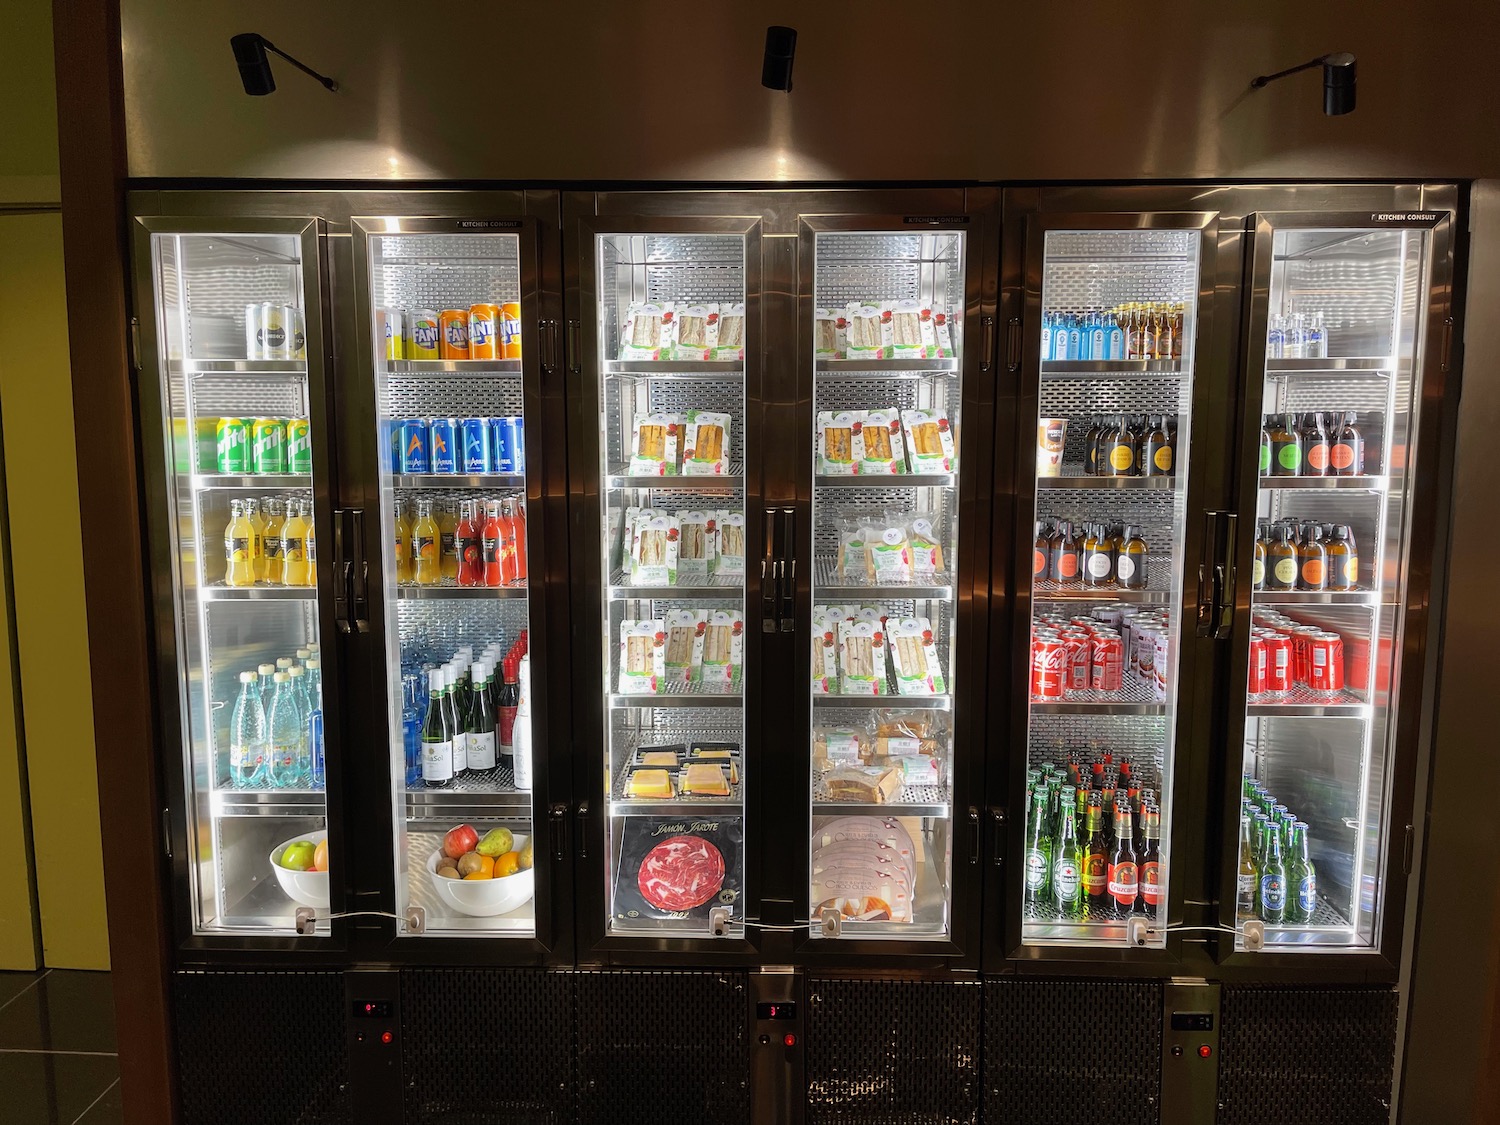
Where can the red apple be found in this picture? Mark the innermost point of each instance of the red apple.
(460, 840)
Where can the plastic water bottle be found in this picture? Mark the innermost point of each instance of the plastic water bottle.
(247, 736)
(288, 736)
(267, 688)
(313, 687)
(412, 715)
(1276, 338)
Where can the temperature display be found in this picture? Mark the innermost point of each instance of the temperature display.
(776, 1010)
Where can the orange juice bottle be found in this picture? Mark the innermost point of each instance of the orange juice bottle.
(425, 546)
(447, 533)
(257, 520)
(271, 542)
(294, 545)
(403, 544)
(311, 542)
(239, 547)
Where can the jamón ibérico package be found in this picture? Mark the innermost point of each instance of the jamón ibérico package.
(676, 868)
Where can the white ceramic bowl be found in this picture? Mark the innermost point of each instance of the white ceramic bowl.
(484, 898)
(309, 888)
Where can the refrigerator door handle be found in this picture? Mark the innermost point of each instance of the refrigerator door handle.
(770, 576)
(787, 551)
(1208, 592)
(1226, 578)
(549, 351)
(557, 821)
(987, 349)
(1013, 345)
(583, 830)
(976, 831)
(359, 592)
(573, 343)
(997, 826)
(343, 569)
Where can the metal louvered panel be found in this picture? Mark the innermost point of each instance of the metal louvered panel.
(1306, 1056)
(447, 271)
(260, 1047)
(885, 1052)
(662, 1048)
(486, 1046)
(1062, 1052)
(477, 396)
(444, 626)
(1137, 737)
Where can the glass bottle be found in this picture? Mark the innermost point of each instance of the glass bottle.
(1095, 864)
(1249, 874)
(1120, 450)
(247, 736)
(1038, 851)
(1286, 448)
(402, 533)
(457, 724)
(271, 541)
(1343, 560)
(489, 538)
(1041, 553)
(1265, 447)
(239, 548)
(1301, 879)
(1062, 562)
(426, 542)
(1067, 865)
(1273, 894)
(1314, 445)
(1312, 561)
(437, 736)
(1346, 456)
(447, 524)
(1158, 457)
(1130, 561)
(1098, 563)
(506, 704)
(1124, 868)
(1149, 858)
(467, 547)
(1281, 559)
(482, 737)
(257, 522)
(294, 545)
(288, 740)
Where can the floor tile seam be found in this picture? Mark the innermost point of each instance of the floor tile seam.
(96, 1101)
(25, 990)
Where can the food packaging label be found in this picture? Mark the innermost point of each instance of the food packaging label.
(676, 868)
(705, 451)
(862, 658)
(684, 658)
(723, 649)
(926, 552)
(654, 442)
(837, 455)
(914, 654)
(888, 558)
(878, 448)
(929, 441)
(643, 654)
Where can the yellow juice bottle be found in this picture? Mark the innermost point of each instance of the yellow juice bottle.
(294, 545)
(239, 547)
(403, 544)
(257, 520)
(311, 546)
(425, 546)
(271, 542)
(447, 527)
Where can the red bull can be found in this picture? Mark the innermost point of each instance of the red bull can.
(474, 440)
(422, 334)
(442, 445)
(412, 450)
(507, 444)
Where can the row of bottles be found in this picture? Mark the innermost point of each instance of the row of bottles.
(1297, 336)
(1131, 445)
(1136, 330)
(276, 728)
(1293, 555)
(481, 543)
(1090, 554)
(1316, 444)
(270, 544)
(1278, 882)
(470, 724)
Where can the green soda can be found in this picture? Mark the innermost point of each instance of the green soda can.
(268, 445)
(233, 446)
(298, 445)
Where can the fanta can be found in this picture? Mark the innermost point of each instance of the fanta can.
(233, 446)
(298, 446)
(422, 333)
(510, 330)
(268, 445)
(484, 341)
(442, 445)
(391, 332)
(453, 338)
(474, 440)
(413, 448)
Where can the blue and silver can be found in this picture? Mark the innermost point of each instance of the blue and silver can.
(442, 445)
(412, 451)
(508, 444)
(474, 440)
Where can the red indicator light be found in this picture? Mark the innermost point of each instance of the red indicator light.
(789, 1039)
(1204, 1051)
(387, 1036)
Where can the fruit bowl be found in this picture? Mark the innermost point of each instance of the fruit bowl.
(308, 888)
(483, 898)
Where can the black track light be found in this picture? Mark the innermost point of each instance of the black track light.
(255, 68)
(1338, 81)
(776, 68)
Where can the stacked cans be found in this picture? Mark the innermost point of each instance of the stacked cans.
(482, 331)
(1111, 649)
(274, 332)
(263, 445)
(462, 446)
(1286, 653)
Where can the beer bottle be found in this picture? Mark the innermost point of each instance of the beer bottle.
(1157, 454)
(1038, 850)
(1286, 448)
(1179, 313)
(1249, 876)
(1314, 445)
(1135, 334)
(1346, 455)
(1258, 567)
(1130, 562)
(1041, 556)
(1301, 879)
(1120, 450)
(1098, 564)
(1312, 561)
(1095, 864)
(1273, 880)
(1091, 448)
(1281, 561)
(1343, 560)
(1150, 863)
(1265, 446)
(1124, 874)
(1063, 565)
(1067, 867)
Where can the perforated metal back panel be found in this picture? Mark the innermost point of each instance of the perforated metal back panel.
(1306, 1056)
(1156, 265)
(260, 1047)
(1063, 1052)
(447, 271)
(487, 1047)
(882, 1052)
(662, 1048)
(1078, 400)
(476, 396)
(216, 276)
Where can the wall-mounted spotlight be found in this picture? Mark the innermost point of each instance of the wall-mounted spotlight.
(776, 68)
(255, 68)
(1338, 81)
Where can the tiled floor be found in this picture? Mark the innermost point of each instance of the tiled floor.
(57, 1049)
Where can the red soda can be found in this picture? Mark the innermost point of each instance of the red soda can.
(1305, 637)
(1078, 658)
(1278, 663)
(1326, 651)
(1257, 685)
(1106, 662)
(1049, 666)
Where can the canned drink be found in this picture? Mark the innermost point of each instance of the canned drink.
(390, 436)
(1162, 661)
(1302, 654)
(510, 330)
(508, 444)
(412, 448)
(422, 334)
(1078, 659)
(392, 332)
(1049, 659)
(1106, 662)
(274, 337)
(298, 445)
(254, 326)
(268, 446)
(1256, 685)
(1326, 657)
(296, 328)
(453, 334)
(442, 445)
(484, 328)
(1144, 638)
(233, 446)
(1278, 664)
(474, 440)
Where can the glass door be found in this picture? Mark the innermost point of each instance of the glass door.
(1339, 336)
(233, 374)
(1108, 459)
(450, 323)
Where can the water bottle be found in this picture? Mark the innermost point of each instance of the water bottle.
(1296, 338)
(312, 685)
(288, 736)
(247, 736)
(411, 720)
(1276, 338)
(1317, 338)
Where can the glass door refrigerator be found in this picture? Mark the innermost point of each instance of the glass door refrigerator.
(234, 365)
(1345, 358)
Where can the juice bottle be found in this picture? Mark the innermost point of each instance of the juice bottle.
(239, 548)
(294, 545)
(468, 548)
(519, 512)
(271, 541)
(508, 572)
(310, 545)
(489, 538)
(403, 544)
(425, 546)
(447, 535)
(257, 538)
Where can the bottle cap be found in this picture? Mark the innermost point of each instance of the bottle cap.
(476, 669)
(435, 679)
(314, 663)
(303, 653)
(295, 670)
(280, 677)
(266, 669)
(313, 647)
(247, 677)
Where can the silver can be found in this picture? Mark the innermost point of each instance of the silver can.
(275, 339)
(254, 327)
(1161, 663)
(296, 328)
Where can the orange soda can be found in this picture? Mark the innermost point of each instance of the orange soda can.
(510, 330)
(483, 332)
(453, 334)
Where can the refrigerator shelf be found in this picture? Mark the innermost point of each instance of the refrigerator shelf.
(1112, 366)
(716, 588)
(830, 585)
(1363, 484)
(619, 477)
(480, 795)
(448, 589)
(1363, 365)
(915, 800)
(888, 368)
(1074, 477)
(266, 802)
(1042, 591)
(274, 482)
(1317, 597)
(481, 367)
(219, 593)
(895, 480)
(197, 368)
(891, 699)
(678, 806)
(460, 480)
(675, 368)
(1134, 698)
(680, 696)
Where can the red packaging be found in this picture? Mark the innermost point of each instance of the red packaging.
(1049, 666)
(1078, 659)
(1326, 656)
(1106, 662)
(1303, 639)
(1257, 685)
(1278, 663)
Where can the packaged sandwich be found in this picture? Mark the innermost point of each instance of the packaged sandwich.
(914, 655)
(945, 332)
(869, 331)
(654, 443)
(696, 331)
(919, 769)
(730, 343)
(929, 441)
(835, 745)
(862, 658)
(888, 558)
(630, 537)
(643, 645)
(926, 551)
(850, 527)
(695, 546)
(911, 331)
(731, 555)
(866, 784)
(620, 536)
(655, 560)
(836, 453)
(647, 332)
(705, 451)
(825, 641)
(877, 444)
(905, 733)
(825, 333)
(684, 659)
(723, 650)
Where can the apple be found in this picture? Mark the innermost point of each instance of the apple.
(460, 840)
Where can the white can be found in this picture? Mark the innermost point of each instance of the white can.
(275, 334)
(254, 327)
(392, 330)
(296, 329)
(1145, 652)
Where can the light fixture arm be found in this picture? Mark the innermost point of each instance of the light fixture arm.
(1265, 79)
(323, 78)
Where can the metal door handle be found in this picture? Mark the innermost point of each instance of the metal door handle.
(1013, 345)
(988, 348)
(549, 352)
(997, 826)
(557, 819)
(974, 828)
(343, 570)
(1207, 592)
(1227, 578)
(359, 593)
(583, 830)
(787, 558)
(573, 343)
(770, 575)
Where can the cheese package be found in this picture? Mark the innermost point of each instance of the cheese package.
(945, 333)
(825, 642)
(647, 332)
(877, 444)
(684, 660)
(929, 441)
(825, 333)
(643, 652)
(654, 441)
(912, 335)
(731, 553)
(705, 450)
(867, 784)
(695, 331)
(926, 550)
(715, 751)
(833, 745)
(914, 654)
(869, 331)
(655, 558)
(723, 650)
(650, 783)
(704, 779)
(665, 756)
(730, 340)
(695, 546)
(862, 658)
(836, 452)
(888, 557)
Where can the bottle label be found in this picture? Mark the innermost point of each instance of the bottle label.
(1289, 457)
(1151, 882)
(239, 754)
(312, 549)
(1036, 869)
(1265, 458)
(237, 549)
(1094, 874)
(446, 538)
(292, 549)
(1125, 568)
(1273, 892)
(1099, 565)
(1285, 571)
(1162, 458)
(1351, 570)
(1121, 457)
(273, 547)
(1124, 881)
(482, 750)
(1258, 573)
(460, 753)
(1317, 456)
(1307, 894)
(1247, 888)
(1067, 565)
(507, 727)
(437, 761)
(422, 547)
(491, 549)
(1038, 564)
(1313, 574)
(1064, 880)
(1342, 456)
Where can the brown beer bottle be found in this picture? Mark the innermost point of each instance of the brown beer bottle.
(1091, 448)
(1258, 567)
(1130, 561)
(1346, 455)
(1124, 873)
(1281, 561)
(1314, 445)
(1095, 863)
(1312, 561)
(1286, 448)
(1041, 556)
(1064, 561)
(1343, 560)
(1120, 450)
(1098, 562)
(1157, 454)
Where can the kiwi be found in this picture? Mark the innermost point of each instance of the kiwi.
(469, 862)
(449, 872)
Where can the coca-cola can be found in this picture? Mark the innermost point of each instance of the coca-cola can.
(1078, 658)
(1106, 662)
(1257, 684)
(1110, 615)
(1326, 656)
(1278, 663)
(1049, 666)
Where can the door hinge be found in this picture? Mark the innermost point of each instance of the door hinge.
(135, 344)
(1408, 848)
(166, 832)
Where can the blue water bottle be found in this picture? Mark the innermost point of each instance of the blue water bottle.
(1075, 336)
(1046, 336)
(1114, 337)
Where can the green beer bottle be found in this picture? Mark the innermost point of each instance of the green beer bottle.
(1301, 879)
(1067, 869)
(1273, 894)
(1038, 850)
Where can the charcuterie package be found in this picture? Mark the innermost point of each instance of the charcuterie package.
(672, 868)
